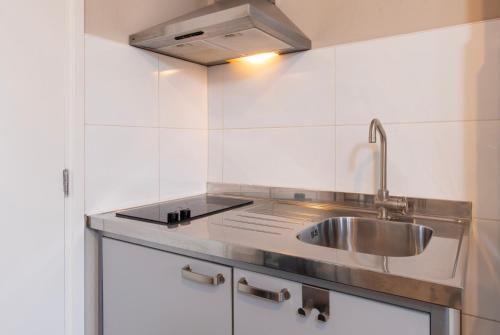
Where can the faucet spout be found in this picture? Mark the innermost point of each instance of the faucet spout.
(376, 126)
(383, 202)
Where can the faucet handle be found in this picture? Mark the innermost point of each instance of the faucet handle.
(402, 204)
(390, 204)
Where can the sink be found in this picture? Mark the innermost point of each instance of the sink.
(369, 236)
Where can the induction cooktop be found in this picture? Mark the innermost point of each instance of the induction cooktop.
(183, 210)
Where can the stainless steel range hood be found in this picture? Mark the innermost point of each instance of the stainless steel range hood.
(226, 30)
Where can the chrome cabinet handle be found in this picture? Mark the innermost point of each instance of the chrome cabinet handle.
(188, 274)
(277, 297)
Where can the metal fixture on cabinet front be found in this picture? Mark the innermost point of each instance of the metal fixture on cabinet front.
(315, 298)
(277, 297)
(188, 274)
(383, 202)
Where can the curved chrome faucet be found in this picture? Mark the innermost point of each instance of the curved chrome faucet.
(375, 126)
(383, 201)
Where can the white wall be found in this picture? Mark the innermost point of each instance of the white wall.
(117, 19)
(302, 121)
(145, 126)
(329, 22)
(34, 94)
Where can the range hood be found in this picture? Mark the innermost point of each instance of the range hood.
(225, 30)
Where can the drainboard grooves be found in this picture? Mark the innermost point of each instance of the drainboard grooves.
(245, 228)
(258, 224)
(268, 219)
(302, 216)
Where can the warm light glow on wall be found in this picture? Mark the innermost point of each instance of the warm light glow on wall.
(256, 59)
(168, 72)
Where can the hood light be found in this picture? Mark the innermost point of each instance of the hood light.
(256, 59)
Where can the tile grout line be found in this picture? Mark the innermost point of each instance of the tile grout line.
(159, 129)
(358, 124)
(207, 163)
(135, 126)
(280, 127)
(292, 126)
(421, 122)
(84, 108)
(335, 118)
(223, 151)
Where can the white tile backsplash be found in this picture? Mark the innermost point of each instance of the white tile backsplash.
(455, 160)
(130, 95)
(450, 160)
(415, 83)
(121, 84)
(485, 164)
(121, 167)
(482, 291)
(291, 90)
(216, 155)
(288, 157)
(438, 75)
(182, 94)
(424, 160)
(216, 97)
(183, 162)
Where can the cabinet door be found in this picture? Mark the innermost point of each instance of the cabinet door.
(34, 97)
(354, 315)
(349, 315)
(145, 292)
(254, 315)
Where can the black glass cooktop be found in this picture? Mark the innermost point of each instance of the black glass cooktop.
(176, 211)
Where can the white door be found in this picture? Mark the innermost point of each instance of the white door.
(151, 292)
(349, 315)
(33, 100)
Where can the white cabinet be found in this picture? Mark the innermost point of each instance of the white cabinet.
(152, 292)
(349, 315)
(147, 292)
(34, 97)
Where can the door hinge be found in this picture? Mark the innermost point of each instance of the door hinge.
(66, 182)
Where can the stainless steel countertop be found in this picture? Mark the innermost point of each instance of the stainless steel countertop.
(265, 234)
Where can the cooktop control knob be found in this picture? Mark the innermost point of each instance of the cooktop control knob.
(172, 218)
(185, 213)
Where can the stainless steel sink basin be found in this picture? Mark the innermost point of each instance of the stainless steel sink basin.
(369, 236)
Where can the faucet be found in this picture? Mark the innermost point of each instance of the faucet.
(383, 202)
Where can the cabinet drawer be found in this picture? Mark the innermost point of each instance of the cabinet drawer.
(151, 292)
(349, 315)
